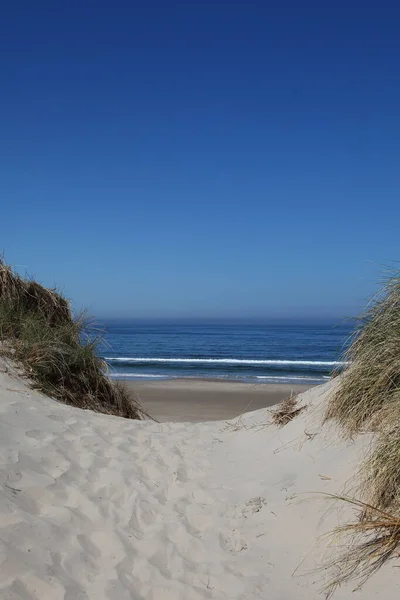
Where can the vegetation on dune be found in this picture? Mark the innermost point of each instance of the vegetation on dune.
(370, 388)
(368, 396)
(286, 410)
(363, 546)
(38, 331)
(368, 399)
(380, 473)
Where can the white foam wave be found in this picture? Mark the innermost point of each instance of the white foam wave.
(275, 378)
(226, 361)
(291, 378)
(137, 375)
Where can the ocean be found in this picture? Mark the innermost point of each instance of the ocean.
(268, 352)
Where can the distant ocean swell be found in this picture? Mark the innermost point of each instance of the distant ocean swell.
(254, 352)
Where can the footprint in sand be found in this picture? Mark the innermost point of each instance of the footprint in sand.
(246, 509)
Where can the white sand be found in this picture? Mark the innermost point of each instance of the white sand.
(96, 507)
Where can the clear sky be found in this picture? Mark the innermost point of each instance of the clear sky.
(201, 158)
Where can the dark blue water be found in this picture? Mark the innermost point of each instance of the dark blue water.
(263, 352)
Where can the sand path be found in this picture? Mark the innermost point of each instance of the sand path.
(97, 507)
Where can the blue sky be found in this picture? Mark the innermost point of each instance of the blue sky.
(178, 159)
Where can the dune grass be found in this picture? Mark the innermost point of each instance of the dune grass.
(367, 399)
(57, 351)
(368, 396)
(286, 410)
(370, 388)
(363, 546)
(379, 477)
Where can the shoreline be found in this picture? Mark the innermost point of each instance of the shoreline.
(197, 400)
(278, 382)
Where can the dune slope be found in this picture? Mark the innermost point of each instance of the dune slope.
(100, 507)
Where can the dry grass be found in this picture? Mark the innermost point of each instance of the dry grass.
(57, 352)
(368, 399)
(364, 545)
(380, 473)
(372, 383)
(368, 396)
(30, 296)
(286, 410)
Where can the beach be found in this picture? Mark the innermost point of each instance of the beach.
(197, 400)
(99, 507)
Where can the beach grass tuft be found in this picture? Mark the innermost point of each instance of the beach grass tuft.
(57, 351)
(369, 389)
(363, 546)
(367, 399)
(368, 396)
(286, 410)
(379, 481)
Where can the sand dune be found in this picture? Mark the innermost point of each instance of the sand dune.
(98, 507)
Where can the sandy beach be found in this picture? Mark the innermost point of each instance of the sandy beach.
(97, 507)
(199, 400)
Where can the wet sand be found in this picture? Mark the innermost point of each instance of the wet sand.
(198, 400)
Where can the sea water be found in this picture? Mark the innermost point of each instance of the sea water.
(257, 352)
